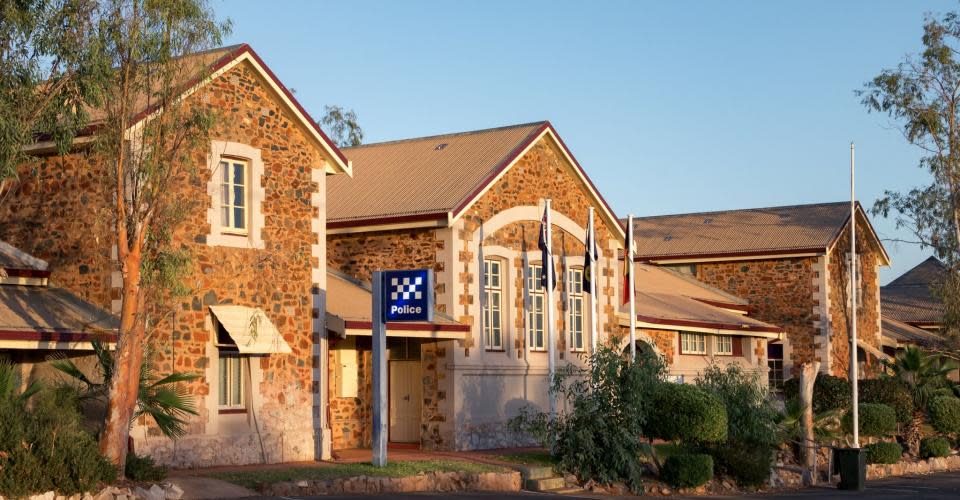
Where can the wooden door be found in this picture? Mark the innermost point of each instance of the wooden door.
(405, 399)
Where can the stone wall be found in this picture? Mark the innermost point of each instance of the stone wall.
(61, 215)
(781, 292)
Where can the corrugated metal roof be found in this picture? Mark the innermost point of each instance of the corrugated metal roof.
(901, 332)
(926, 273)
(757, 230)
(251, 329)
(910, 298)
(673, 311)
(425, 175)
(12, 257)
(655, 279)
(45, 309)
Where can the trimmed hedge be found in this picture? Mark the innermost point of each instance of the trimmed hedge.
(686, 413)
(829, 392)
(687, 470)
(945, 414)
(875, 420)
(748, 465)
(891, 392)
(934, 447)
(884, 453)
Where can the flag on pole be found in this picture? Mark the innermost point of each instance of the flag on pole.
(549, 274)
(590, 256)
(627, 270)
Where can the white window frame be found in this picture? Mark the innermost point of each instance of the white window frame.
(718, 345)
(228, 200)
(538, 302)
(493, 303)
(575, 310)
(218, 234)
(693, 343)
(226, 361)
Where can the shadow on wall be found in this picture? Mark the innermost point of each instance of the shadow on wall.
(488, 401)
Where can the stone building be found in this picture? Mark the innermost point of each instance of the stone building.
(790, 263)
(251, 324)
(424, 203)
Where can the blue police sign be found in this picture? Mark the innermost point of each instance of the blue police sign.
(408, 295)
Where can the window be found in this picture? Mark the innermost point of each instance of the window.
(858, 264)
(688, 269)
(693, 343)
(231, 382)
(493, 308)
(537, 304)
(233, 199)
(775, 364)
(575, 308)
(723, 345)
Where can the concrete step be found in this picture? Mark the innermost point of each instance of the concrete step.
(545, 484)
(568, 490)
(536, 472)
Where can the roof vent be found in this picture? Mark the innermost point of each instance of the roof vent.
(708, 220)
(440, 146)
(668, 237)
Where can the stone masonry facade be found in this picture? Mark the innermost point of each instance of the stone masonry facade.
(45, 219)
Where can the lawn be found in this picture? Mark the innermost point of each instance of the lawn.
(253, 478)
(528, 458)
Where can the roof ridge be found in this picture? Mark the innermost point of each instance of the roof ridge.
(757, 209)
(451, 134)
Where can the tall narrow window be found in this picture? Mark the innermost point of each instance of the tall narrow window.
(775, 363)
(233, 200)
(693, 343)
(231, 382)
(538, 302)
(492, 313)
(575, 308)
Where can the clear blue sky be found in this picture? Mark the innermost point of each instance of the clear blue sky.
(670, 106)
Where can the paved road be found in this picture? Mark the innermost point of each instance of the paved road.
(937, 486)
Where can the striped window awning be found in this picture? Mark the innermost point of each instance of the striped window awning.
(250, 329)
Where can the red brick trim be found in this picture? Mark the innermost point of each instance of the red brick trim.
(397, 219)
(706, 324)
(57, 336)
(719, 255)
(430, 327)
(723, 305)
(231, 411)
(26, 273)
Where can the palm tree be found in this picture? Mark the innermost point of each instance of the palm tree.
(10, 384)
(161, 398)
(923, 375)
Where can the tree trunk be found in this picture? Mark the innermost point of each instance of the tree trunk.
(808, 375)
(125, 382)
(913, 433)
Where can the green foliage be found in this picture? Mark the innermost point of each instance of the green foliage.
(874, 419)
(826, 425)
(687, 470)
(937, 446)
(891, 392)
(829, 392)
(162, 398)
(342, 126)
(686, 413)
(945, 414)
(43, 446)
(143, 468)
(922, 374)
(600, 437)
(884, 453)
(752, 434)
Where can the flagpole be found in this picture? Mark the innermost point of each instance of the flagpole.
(551, 341)
(632, 286)
(482, 295)
(853, 304)
(593, 283)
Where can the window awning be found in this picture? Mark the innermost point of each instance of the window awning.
(251, 330)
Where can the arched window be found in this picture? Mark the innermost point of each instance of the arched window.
(493, 304)
(575, 321)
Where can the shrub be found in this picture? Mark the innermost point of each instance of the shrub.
(143, 468)
(875, 420)
(884, 453)
(945, 414)
(686, 413)
(891, 392)
(748, 465)
(687, 470)
(45, 448)
(829, 393)
(601, 435)
(934, 447)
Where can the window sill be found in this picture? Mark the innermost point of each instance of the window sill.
(231, 411)
(243, 234)
(495, 349)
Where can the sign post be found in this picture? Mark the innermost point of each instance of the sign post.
(397, 296)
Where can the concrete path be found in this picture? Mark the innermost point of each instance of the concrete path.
(199, 487)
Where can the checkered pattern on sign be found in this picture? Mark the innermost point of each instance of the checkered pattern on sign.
(405, 289)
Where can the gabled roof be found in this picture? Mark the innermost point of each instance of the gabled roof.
(796, 229)
(896, 333)
(15, 261)
(29, 312)
(203, 67)
(911, 297)
(436, 178)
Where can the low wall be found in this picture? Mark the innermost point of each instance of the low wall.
(928, 466)
(431, 481)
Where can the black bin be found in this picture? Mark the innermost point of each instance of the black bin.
(851, 463)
